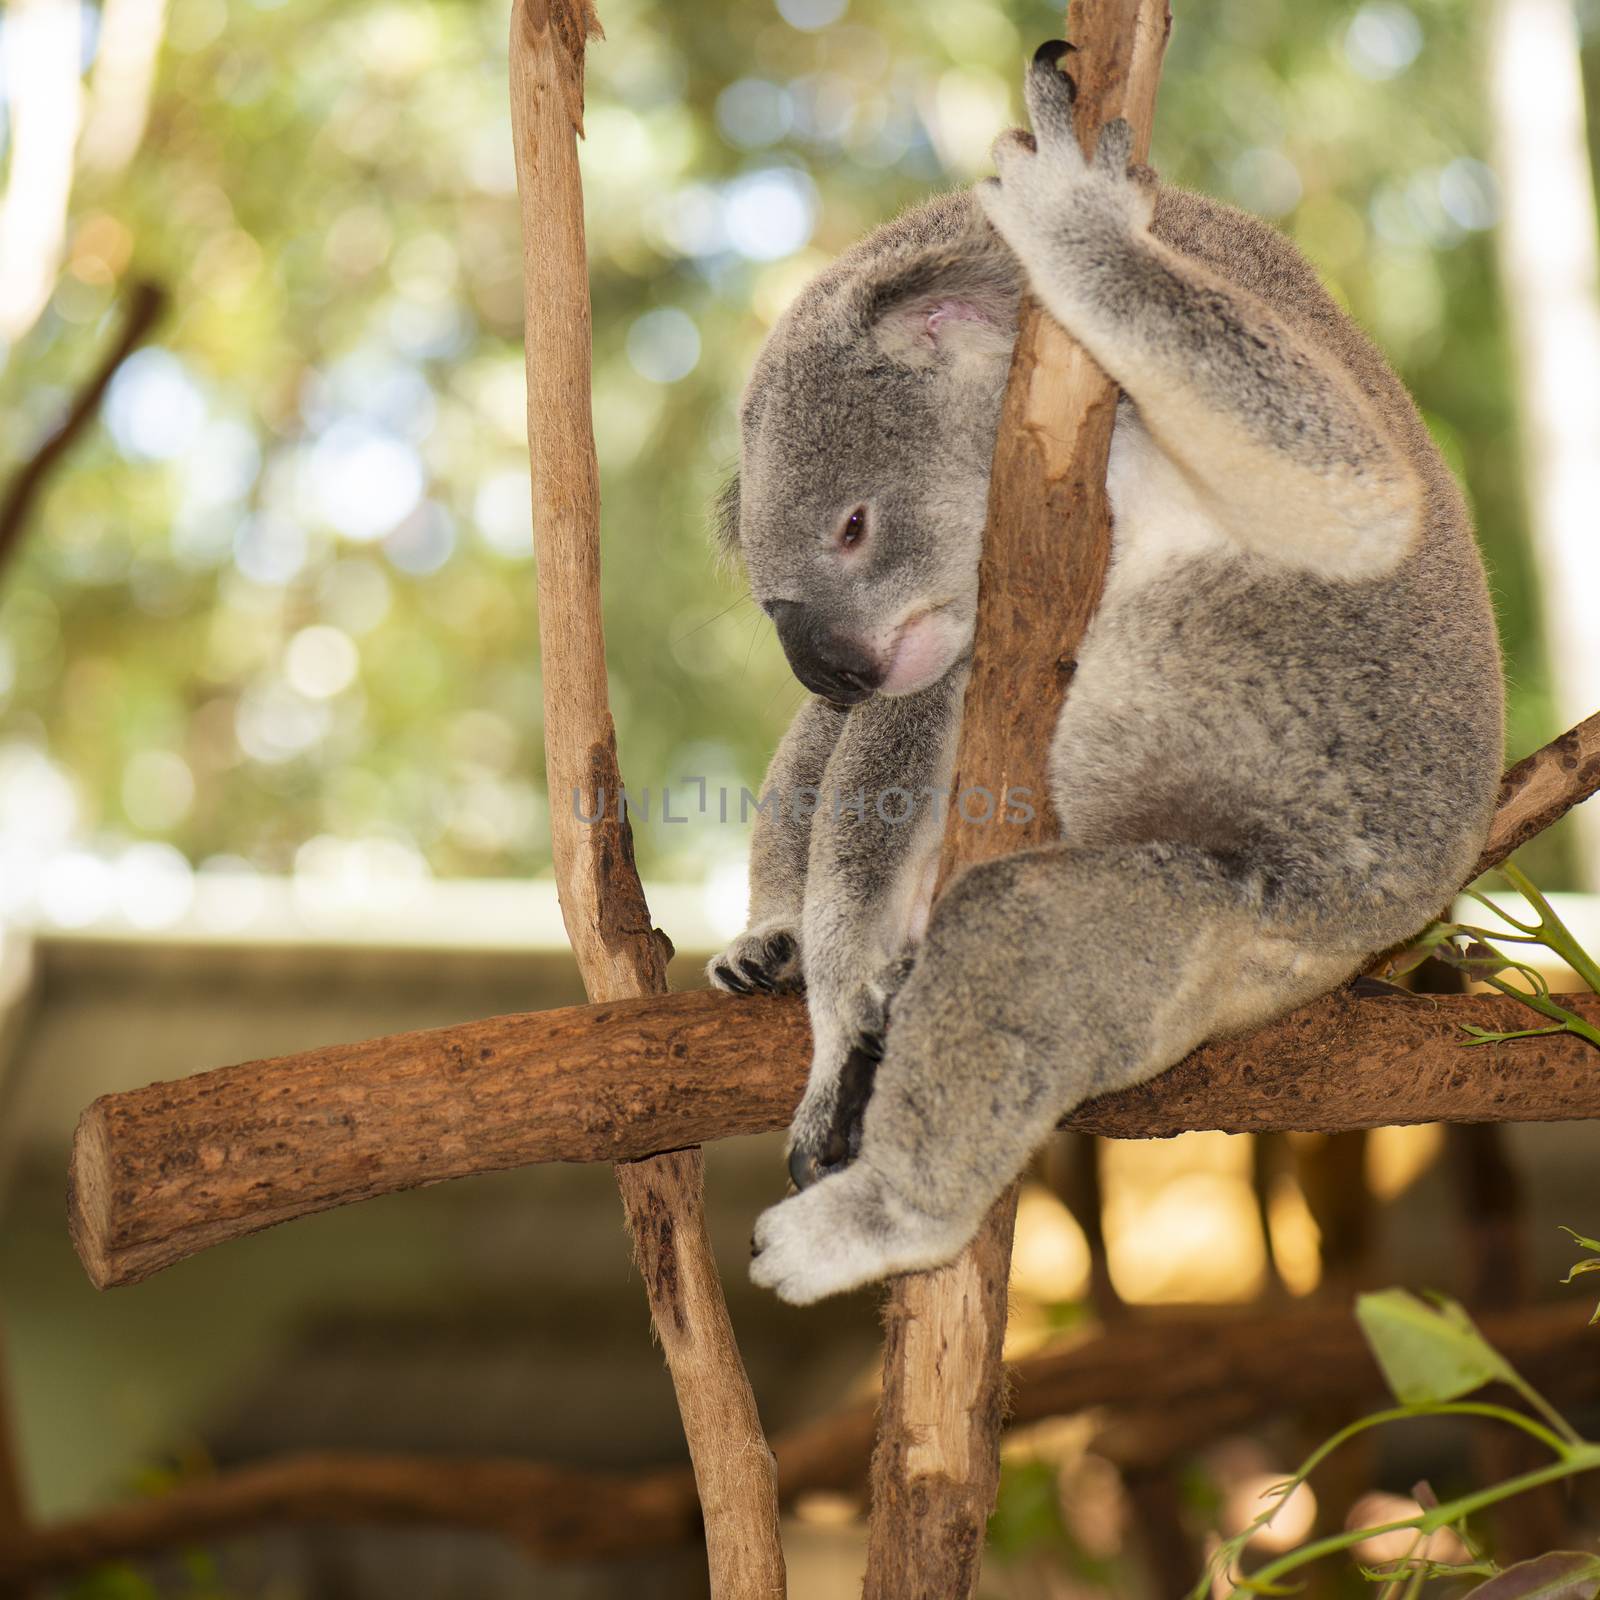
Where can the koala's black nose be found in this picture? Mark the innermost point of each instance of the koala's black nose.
(826, 662)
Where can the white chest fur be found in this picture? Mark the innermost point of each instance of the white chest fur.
(1159, 515)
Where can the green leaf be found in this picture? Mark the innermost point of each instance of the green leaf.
(1428, 1353)
(1583, 1239)
(1484, 1036)
(1561, 1575)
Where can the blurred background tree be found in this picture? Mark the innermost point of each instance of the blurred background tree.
(276, 613)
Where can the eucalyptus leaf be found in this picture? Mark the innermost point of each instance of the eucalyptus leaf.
(1427, 1353)
(1561, 1575)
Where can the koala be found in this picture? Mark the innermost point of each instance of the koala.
(1279, 752)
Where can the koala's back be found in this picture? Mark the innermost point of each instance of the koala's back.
(1339, 741)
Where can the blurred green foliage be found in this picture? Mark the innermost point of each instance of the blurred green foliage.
(281, 598)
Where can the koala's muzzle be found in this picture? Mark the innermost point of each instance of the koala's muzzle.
(826, 662)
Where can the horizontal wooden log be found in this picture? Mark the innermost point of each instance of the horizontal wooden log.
(160, 1173)
(1162, 1364)
(163, 1172)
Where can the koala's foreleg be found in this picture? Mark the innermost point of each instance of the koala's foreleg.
(767, 956)
(1277, 443)
(869, 880)
(1046, 978)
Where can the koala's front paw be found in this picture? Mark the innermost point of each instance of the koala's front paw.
(846, 1231)
(764, 959)
(1047, 197)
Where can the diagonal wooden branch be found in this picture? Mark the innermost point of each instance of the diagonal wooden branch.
(1046, 548)
(162, 1172)
(619, 954)
(1165, 1368)
(1542, 788)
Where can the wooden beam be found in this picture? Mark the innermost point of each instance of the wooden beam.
(1046, 548)
(619, 954)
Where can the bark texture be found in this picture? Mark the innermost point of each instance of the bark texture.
(619, 954)
(161, 1173)
(1046, 548)
(1543, 787)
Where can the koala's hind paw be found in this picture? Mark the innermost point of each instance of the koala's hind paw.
(764, 960)
(845, 1231)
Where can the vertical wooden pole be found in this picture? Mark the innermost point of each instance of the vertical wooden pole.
(619, 953)
(1045, 552)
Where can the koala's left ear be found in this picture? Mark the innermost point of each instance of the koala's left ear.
(941, 303)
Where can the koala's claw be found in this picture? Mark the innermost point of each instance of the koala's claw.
(808, 1166)
(1053, 52)
(765, 961)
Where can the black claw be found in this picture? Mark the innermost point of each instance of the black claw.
(804, 1169)
(871, 1046)
(757, 977)
(731, 979)
(780, 948)
(1052, 53)
(755, 1249)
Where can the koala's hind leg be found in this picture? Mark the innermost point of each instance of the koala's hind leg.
(767, 955)
(1287, 453)
(1046, 978)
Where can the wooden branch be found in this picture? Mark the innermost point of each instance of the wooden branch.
(1155, 1377)
(161, 1173)
(1542, 788)
(619, 954)
(552, 1513)
(145, 305)
(1046, 548)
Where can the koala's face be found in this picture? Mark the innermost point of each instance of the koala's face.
(868, 430)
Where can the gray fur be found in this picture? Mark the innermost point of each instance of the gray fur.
(1281, 747)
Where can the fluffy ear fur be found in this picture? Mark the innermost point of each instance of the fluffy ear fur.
(948, 297)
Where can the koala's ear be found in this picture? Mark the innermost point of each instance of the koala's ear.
(941, 304)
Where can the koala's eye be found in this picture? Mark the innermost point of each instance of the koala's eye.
(854, 529)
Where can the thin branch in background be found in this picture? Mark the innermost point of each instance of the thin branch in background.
(145, 304)
(1166, 1383)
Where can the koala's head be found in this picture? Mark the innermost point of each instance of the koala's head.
(867, 432)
